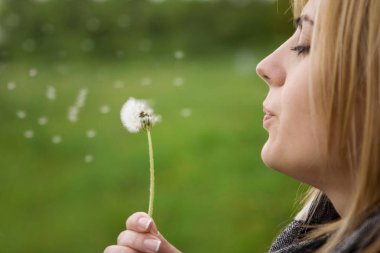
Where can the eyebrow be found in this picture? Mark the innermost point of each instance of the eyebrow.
(298, 21)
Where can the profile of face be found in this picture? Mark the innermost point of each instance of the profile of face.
(295, 139)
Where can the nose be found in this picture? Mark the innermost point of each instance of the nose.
(271, 70)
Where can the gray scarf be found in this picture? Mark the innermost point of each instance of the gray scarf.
(290, 239)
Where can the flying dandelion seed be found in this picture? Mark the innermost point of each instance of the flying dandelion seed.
(28, 134)
(21, 114)
(146, 81)
(33, 72)
(50, 93)
(91, 133)
(178, 81)
(93, 24)
(118, 84)
(88, 158)
(104, 109)
(56, 139)
(79, 103)
(186, 112)
(179, 54)
(42, 120)
(11, 86)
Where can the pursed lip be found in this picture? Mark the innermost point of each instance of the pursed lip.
(268, 115)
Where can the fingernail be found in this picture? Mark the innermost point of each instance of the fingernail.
(144, 223)
(152, 244)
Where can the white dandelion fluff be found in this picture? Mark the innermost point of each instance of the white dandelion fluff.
(88, 158)
(179, 54)
(42, 120)
(28, 134)
(21, 114)
(33, 72)
(146, 81)
(91, 133)
(79, 103)
(186, 112)
(178, 81)
(118, 84)
(56, 139)
(104, 109)
(11, 86)
(137, 115)
(50, 93)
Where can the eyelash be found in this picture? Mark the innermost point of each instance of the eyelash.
(301, 49)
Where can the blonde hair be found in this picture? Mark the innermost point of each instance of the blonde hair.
(345, 92)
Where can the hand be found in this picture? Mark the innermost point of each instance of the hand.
(141, 236)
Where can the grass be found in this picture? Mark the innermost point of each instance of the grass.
(213, 193)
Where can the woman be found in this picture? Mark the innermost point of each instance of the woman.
(322, 116)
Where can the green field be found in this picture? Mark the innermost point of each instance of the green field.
(213, 193)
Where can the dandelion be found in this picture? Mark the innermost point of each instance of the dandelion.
(136, 115)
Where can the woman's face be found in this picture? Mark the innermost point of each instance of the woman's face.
(294, 143)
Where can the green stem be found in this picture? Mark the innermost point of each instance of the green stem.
(151, 162)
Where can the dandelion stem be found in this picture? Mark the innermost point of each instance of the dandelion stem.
(151, 162)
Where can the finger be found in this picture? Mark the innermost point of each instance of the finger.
(165, 246)
(141, 222)
(144, 242)
(119, 249)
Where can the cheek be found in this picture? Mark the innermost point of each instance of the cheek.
(292, 143)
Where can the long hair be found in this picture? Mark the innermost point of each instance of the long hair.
(345, 93)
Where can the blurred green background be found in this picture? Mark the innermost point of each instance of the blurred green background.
(70, 174)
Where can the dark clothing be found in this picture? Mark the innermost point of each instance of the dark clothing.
(290, 239)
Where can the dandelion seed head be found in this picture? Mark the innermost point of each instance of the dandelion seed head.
(21, 114)
(137, 115)
(42, 120)
(56, 139)
(91, 133)
(28, 134)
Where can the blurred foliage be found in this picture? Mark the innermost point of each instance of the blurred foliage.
(196, 61)
(118, 28)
